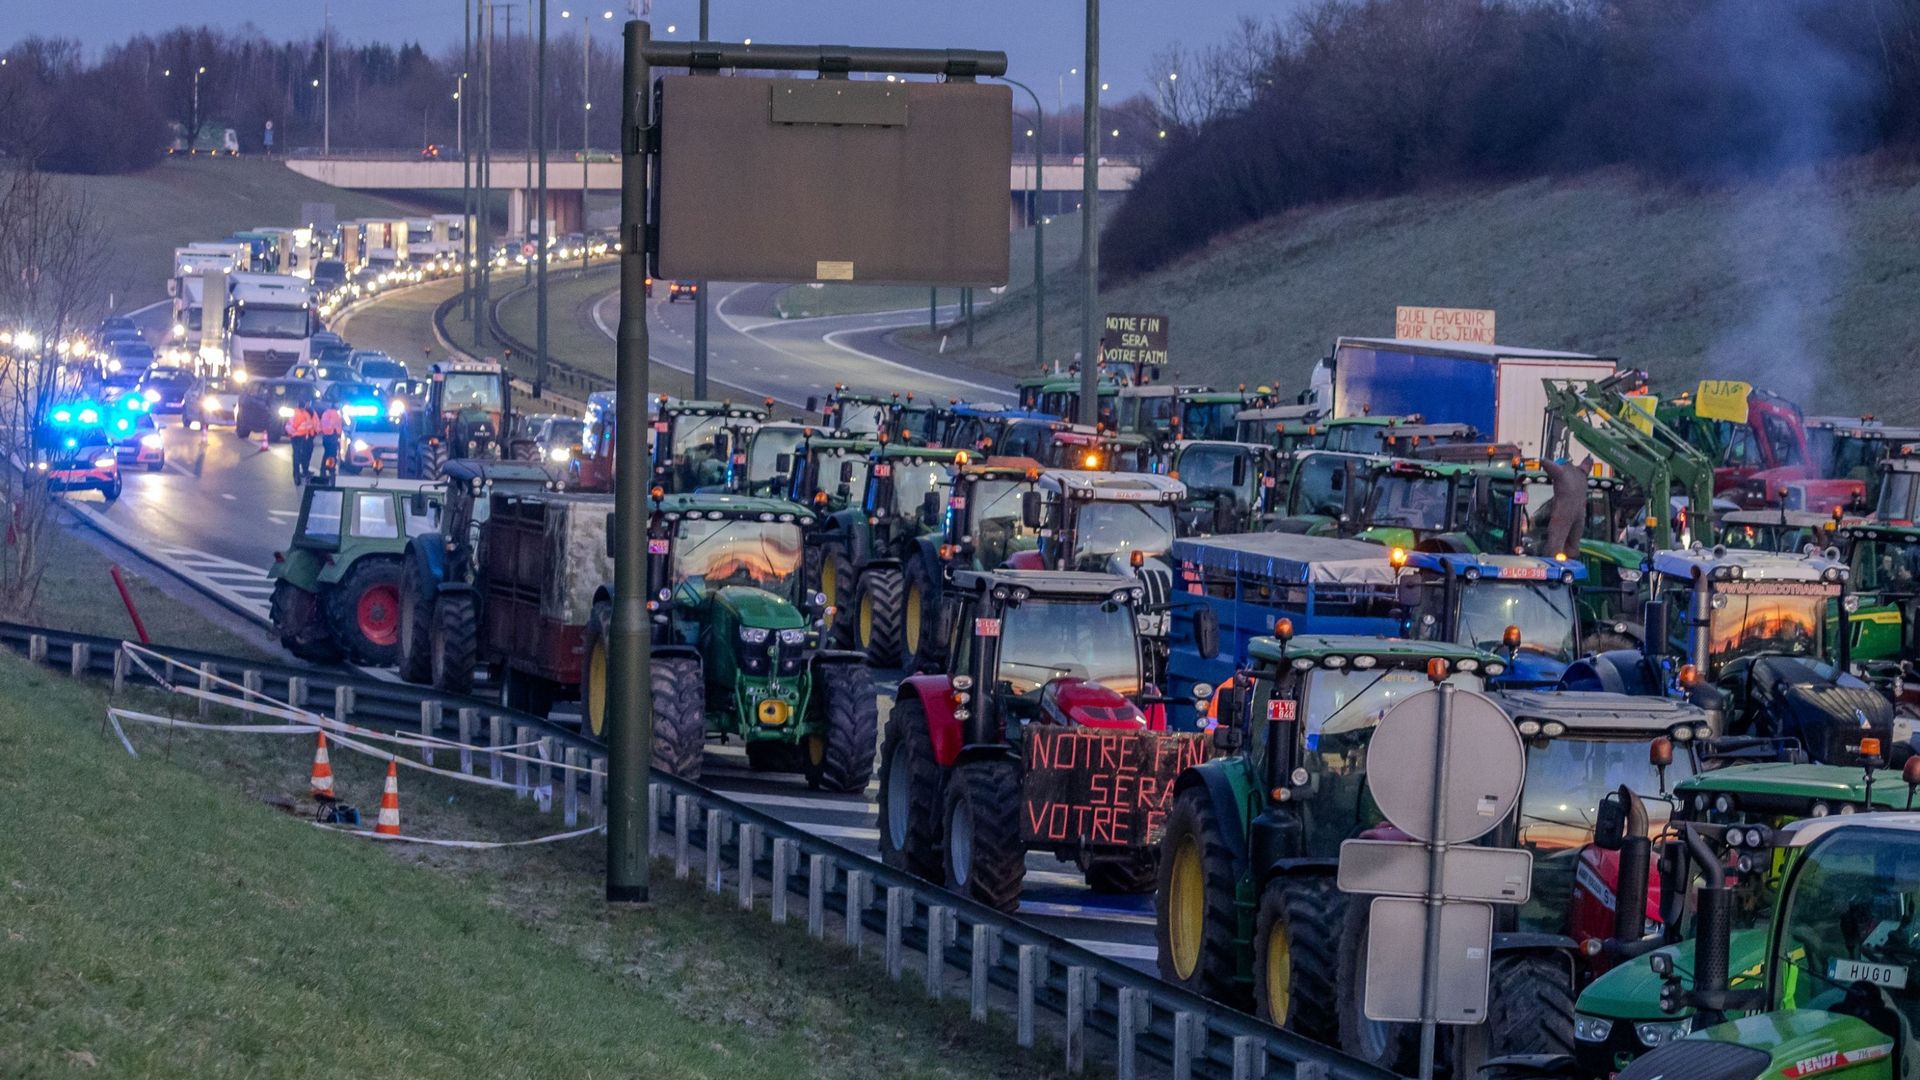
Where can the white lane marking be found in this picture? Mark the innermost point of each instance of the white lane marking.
(795, 802)
(831, 339)
(601, 322)
(229, 496)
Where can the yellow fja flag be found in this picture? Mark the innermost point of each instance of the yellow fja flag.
(1722, 399)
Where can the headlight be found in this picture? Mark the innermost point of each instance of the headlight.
(396, 408)
(1591, 1028)
(154, 441)
(360, 446)
(1658, 1033)
(559, 455)
(89, 416)
(113, 365)
(179, 330)
(152, 396)
(754, 635)
(210, 403)
(1629, 576)
(107, 462)
(239, 375)
(795, 636)
(286, 412)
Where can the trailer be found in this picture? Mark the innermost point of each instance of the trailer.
(542, 557)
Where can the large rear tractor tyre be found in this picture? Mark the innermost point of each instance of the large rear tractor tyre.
(1389, 1045)
(1130, 876)
(1295, 955)
(878, 617)
(364, 610)
(433, 460)
(920, 619)
(415, 647)
(456, 641)
(295, 613)
(1529, 1012)
(984, 857)
(1194, 919)
(679, 716)
(841, 758)
(596, 670)
(911, 780)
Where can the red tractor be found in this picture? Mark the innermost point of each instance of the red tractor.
(1041, 735)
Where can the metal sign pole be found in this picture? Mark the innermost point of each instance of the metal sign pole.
(539, 231)
(700, 293)
(1090, 226)
(1430, 958)
(630, 742)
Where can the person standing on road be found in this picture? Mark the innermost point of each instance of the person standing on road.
(301, 428)
(330, 427)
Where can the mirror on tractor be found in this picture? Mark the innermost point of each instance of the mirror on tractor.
(722, 445)
(1032, 510)
(813, 403)
(1206, 631)
(417, 504)
(783, 464)
(846, 473)
(930, 507)
(1239, 470)
(1610, 823)
(1230, 714)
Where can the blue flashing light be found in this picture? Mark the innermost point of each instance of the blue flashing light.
(123, 424)
(362, 409)
(71, 443)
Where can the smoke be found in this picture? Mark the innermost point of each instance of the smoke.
(1784, 93)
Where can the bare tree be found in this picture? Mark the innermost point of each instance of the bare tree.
(53, 256)
(1196, 88)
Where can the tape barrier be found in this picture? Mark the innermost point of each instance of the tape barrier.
(466, 845)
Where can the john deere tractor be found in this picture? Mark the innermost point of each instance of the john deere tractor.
(828, 474)
(737, 648)
(466, 416)
(694, 443)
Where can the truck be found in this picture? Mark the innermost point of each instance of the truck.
(1494, 388)
(269, 324)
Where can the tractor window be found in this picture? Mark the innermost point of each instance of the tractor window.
(996, 520)
(1782, 447)
(1210, 421)
(861, 418)
(1854, 459)
(1850, 938)
(1209, 470)
(321, 523)
(1026, 440)
(1413, 502)
(1044, 640)
(911, 482)
(711, 555)
(1543, 612)
(1750, 619)
(470, 390)
(1882, 566)
(1743, 450)
(763, 455)
(373, 517)
(1107, 529)
(1897, 496)
(1320, 486)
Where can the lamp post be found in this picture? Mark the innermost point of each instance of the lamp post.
(1039, 228)
(700, 289)
(326, 83)
(1090, 226)
(586, 114)
(539, 230)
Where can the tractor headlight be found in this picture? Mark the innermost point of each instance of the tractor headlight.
(1630, 577)
(754, 635)
(559, 455)
(286, 412)
(1591, 1028)
(795, 636)
(1661, 1032)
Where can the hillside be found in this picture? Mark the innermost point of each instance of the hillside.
(1806, 286)
(148, 214)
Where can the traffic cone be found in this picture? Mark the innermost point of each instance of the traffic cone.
(321, 784)
(389, 820)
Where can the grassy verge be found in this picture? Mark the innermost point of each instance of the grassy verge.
(572, 335)
(77, 594)
(162, 919)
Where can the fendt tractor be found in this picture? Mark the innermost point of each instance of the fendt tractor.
(737, 649)
(1042, 734)
(466, 416)
(337, 586)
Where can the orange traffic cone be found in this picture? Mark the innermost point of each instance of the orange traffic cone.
(389, 820)
(320, 786)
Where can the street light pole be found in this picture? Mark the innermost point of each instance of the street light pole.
(485, 167)
(539, 231)
(586, 127)
(466, 170)
(1090, 226)
(1039, 228)
(326, 84)
(700, 293)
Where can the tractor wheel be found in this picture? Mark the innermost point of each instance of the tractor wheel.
(112, 491)
(1296, 934)
(1385, 1043)
(841, 758)
(910, 783)
(985, 859)
(415, 646)
(242, 432)
(364, 610)
(772, 755)
(596, 670)
(831, 571)
(877, 628)
(920, 619)
(679, 716)
(456, 641)
(433, 460)
(1195, 923)
(1529, 1012)
(295, 613)
(525, 451)
(1129, 876)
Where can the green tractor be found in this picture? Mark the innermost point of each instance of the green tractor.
(466, 416)
(337, 587)
(692, 442)
(828, 474)
(737, 648)
(1230, 485)
(1885, 581)
(1838, 999)
(757, 463)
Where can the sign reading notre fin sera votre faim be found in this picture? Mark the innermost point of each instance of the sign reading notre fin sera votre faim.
(1135, 339)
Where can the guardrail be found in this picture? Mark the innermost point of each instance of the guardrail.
(576, 384)
(999, 962)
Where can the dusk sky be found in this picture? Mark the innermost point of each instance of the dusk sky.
(1041, 37)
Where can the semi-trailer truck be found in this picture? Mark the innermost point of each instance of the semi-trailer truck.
(269, 322)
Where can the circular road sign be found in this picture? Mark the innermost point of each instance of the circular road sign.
(1486, 766)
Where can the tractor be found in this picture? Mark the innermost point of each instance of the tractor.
(737, 649)
(1884, 561)
(465, 418)
(827, 474)
(1523, 605)
(1230, 485)
(1042, 734)
(756, 465)
(693, 443)
(981, 530)
(1838, 997)
(337, 586)
(979, 427)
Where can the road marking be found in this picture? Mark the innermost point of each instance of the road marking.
(229, 496)
(844, 347)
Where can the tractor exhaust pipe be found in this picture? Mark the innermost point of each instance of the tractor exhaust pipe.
(1630, 885)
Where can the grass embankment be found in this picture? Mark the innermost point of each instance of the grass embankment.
(400, 324)
(1803, 285)
(572, 336)
(148, 214)
(162, 919)
(77, 594)
(1061, 249)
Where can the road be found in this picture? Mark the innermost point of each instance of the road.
(220, 508)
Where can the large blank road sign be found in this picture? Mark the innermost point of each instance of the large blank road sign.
(1400, 868)
(833, 180)
(1396, 966)
(1487, 763)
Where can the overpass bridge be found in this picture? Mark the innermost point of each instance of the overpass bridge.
(568, 176)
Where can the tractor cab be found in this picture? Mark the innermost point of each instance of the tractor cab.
(1856, 450)
(1072, 446)
(1784, 532)
(1397, 436)
(1061, 399)
(979, 427)
(467, 413)
(917, 423)
(1230, 485)
(855, 413)
(1149, 409)
(1885, 582)
(1101, 522)
(755, 466)
(692, 443)
(1519, 605)
(984, 522)
(726, 570)
(1899, 501)
(826, 472)
(1283, 427)
(1323, 492)
(1209, 414)
(907, 491)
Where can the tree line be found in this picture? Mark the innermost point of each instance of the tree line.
(1360, 98)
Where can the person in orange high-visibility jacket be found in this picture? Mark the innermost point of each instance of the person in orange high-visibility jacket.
(330, 427)
(302, 426)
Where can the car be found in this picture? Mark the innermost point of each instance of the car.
(165, 389)
(116, 322)
(557, 439)
(678, 289)
(132, 356)
(215, 401)
(372, 439)
(328, 275)
(141, 442)
(376, 367)
(266, 404)
(117, 383)
(325, 339)
(325, 374)
(73, 452)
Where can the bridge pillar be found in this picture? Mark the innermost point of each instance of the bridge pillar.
(518, 200)
(563, 206)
